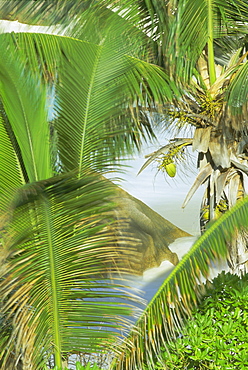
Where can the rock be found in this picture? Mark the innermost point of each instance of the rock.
(142, 234)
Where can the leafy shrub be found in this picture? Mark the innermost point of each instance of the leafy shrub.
(217, 335)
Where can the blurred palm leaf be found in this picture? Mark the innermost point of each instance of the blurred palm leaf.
(54, 260)
(180, 292)
(42, 12)
(22, 112)
(10, 174)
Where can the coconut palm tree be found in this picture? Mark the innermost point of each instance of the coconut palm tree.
(202, 45)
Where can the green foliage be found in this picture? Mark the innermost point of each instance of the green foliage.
(180, 293)
(56, 237)
(217, 336)
(55, 244)
(80, 367)
(103, 99)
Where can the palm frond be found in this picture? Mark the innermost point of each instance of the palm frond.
(22, 111)
(56, 254)
(180, 292)
(204, 173)
(109, 94)
(108, 22)
(109, 86)
(193, 23)
(11, 176)
(43, 13)
(237, 93)
(39, 53)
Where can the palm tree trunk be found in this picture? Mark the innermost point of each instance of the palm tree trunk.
(238, 253)
(212, 207)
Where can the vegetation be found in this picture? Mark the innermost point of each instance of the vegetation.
(66, 114)
(83, 100)
(208, 59)
(216, 336)
(81, 367)
(180, 293)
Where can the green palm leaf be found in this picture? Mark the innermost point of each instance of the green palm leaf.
(184, 29)
(42, 12)
(237, 93)
(16, 88)
(104, 22)
(97, 89)
(88, 97)
(106, 93)
(11, 174)
(179, 294)
(54, 297)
